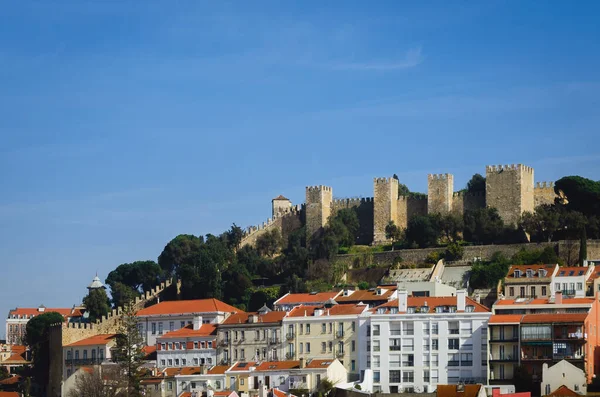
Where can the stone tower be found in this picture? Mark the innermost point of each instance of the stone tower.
(281, 205)
(509, 189)
(385, 206)
(440, 192)
(319, 201)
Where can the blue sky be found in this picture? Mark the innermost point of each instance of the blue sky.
(125, 123)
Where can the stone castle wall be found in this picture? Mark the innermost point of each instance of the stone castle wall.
(318, 208)
(509, 189)
(440, 192)
(286, 223)
(408, 207)
(364, 210)
(463, 202)
(385, 207)
(543, 193)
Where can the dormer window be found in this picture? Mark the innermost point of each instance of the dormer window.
(439, 309)
(469, 308)
(517, 273)
(381, 310)
(452, 309)
(542, 273)
(394, 310)
(424, 309)
(529, 273)
(411, 309)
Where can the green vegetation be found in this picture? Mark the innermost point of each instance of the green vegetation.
(37, 338)
(97, 304)
(128, 352)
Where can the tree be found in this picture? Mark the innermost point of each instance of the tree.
(97, 304)
(100, 382)
(269, 243)
(483, 225)
(4, 373)
(122, 294)
(423, 231)
(454, 251)
(345, 226)
(476, 184)
(487, 275)
(542, 223)
(451, 225)
(37, 338)
(583, 195)
(140, 275)
(394, 233)
(128, 352)
(234, 237)
(179, 251)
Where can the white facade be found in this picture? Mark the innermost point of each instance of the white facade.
(563, 373)
(416, 349)
(193, 345)
(571, 281)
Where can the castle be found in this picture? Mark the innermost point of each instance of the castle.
(509, 188)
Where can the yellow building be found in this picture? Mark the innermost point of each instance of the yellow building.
(324, 332)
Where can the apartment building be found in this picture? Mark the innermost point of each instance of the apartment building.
(325, 332)
(529, 281)
(168, 316)
(18, 318)
(92, 351)
(532, 333)
(416, 343)
(371, 297)
(251, 336)
(288, 301)
(193, 345)
(572, 281)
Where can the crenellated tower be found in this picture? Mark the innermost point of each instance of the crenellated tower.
(509, 189)
(319, 201)
(440, 192)
(385, 206)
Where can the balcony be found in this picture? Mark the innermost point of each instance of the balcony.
(224, 342)
(395, 348)
(289, 336)
(339, 354)
(339, 334)
(453, 363)
(504, 358)
(504, 339)
(454, 331)
(289, 355)
(83, 361)
(273, 341)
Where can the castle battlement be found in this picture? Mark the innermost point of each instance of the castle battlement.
(467, 194)
(413, 198)
(544, 185)
(352, 201)
(439, 176)
(383, 180)
(319, 188)
(508, 167)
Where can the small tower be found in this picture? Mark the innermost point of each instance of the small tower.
(385, 206)
(96, 284)
(509, 189)
(319, 200)
(440, 191)
(281, 205)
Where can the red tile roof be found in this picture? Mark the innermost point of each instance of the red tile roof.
(367, 296)
(11, 381)
(278, 365)
(575, 269)
(189, 331)
(223, 393)
(66, 312)
(9, 394)
(242, 366)
(319, 363)
(218, 370)
(242, 317)
(279, 393)
(523, 268)
(454, 391)
(554, 318)
(186, 394)
(335, 310)
(15, 359)
(182, 371)
(433, 302)
(563, 391)
(103, 339)
(280, 197)
(319, 297)
(188, 307)
(505, 319)
(544, 301)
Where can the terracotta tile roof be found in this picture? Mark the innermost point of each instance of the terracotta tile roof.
(149, 352)
(453, 391)
(15, 359)
(186, 394)
(13, 380)
(319, 297)
(279, 393)
(278, 365)
(563, 391)
(218, 370)
(554, 318)
(242, 317)
(189, 331)
(188, 307)
(9, 394)
(505, 319)
(367, 296)
(151, 381)
(572, 271)
(103, 339)
(18, 349)
(544, 301)
(223, 393)
(319, 363)
(595, 274)
(336, 310)
(536, 268)
(66, 312)
(242, 366)
(280, 197)
(433, 302)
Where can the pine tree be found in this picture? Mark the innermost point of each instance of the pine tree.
(128, 352)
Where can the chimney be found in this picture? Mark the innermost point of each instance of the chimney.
(558, 298)
(302, 362)
(197, 322)
(461, 300)
(403, 301)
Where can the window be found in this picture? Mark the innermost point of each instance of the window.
(511, 291)
(257, 334)
(323, 347)
(330, 347)
(368, 345)
(376, 346)
(323, 328)
(533, 291)
(76, 354)
(170, 386)
(170, 362)
(434, 329)
(426, 376)
(331, 328)
(557, 286)
(395, 376)
(544, 291)
(517, 273)
(353, 346)
(376, 376)
(242, 354)
(435, 361)
(376, 361)
(171, 325)
(353, 326)
(160, 328)
(376, 330)
(408, 360)
(153, 328)
(579, 286)
(466, 359)
(195, 345)
(195, 360)
(408, 344)
(183, 362)
(353, 365)
(453, 344)
(85, 354)
(307, 329)
(408, 376)
(307, 347)
(182, 324)
(69, 355)
(426, 328)
(242, 381)
(434, 344)
(301, 350)
(243, 335)
(529, 273)
(522, 295)
(426, 360)
(425, 345)
(177, 362)
(453, 360)
(571, 287)
(408, 328)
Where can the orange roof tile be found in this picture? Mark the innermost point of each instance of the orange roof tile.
(280, 197)
(188, 307)
(11, 380)
(366, 295)
(453, 391)
(223, 393)
(279, 393)
(319, 297)
(18, 349)
(15, 359)
(66, 312)
(505, 319)
(189, 331)
(563, 391)
(242, 317)
(433, 302)
(335, 310)
(554, 318)
(102, 339)
(319, 363)
(9, 394)
(278, 365)
(544, 301)
(577, 271)
(535, 268)
(151, 381)
(186, 394)
(218, 370)
(242, 366)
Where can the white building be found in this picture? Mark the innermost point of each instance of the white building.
(92, 351)
(192, 345)
(572, 281)
(419, 342)
(288, 301)
(168, 316)
(563, 373)
(18, 318)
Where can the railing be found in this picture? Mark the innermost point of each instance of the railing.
(273, 341)
(454, 331)
(408, 363)
(339, 334)
(289, 336)
(466, 363)
(224, 342)
(290, 355)
(504, 339)
(84, 361)
(395, 332)
(339, 354)
(453, 363)
(395, 348)
(503, 357)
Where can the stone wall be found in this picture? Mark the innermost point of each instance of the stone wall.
(463, 201)
(385, 207)
(318, 208)
(364, 210)
(509, 189)
(440, 188)
(408, 207)
(543, 193)
(286, 224)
